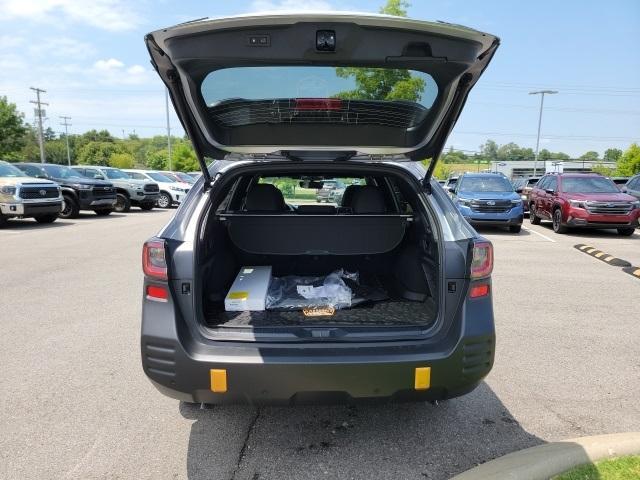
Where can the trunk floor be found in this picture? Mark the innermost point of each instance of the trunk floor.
(386, 313)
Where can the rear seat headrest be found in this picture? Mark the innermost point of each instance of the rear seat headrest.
(347, 196)
(264, 197)
(368, 199)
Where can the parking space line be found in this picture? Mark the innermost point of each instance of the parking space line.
(540, 234)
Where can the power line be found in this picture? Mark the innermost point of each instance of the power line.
(39, 113)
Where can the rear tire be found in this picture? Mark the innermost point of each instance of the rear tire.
(533, 218)
(50, 218)
(557, 222)
(104, 212)
(70, 207)
(147, 206)
(626, 232)
(164, 200)
(515, 228)
(123, 204)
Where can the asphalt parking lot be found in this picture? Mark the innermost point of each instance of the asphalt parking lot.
(75, 402)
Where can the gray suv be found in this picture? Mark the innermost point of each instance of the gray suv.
(130, 192)
(253, 294)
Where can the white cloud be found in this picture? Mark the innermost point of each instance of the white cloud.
(108, 65)
(114, 15)
(115, 72)
(290, 5)
(61, 47)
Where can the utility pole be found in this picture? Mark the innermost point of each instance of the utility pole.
(542, 94)
(39, 114)
(66, 136)
(166, 104)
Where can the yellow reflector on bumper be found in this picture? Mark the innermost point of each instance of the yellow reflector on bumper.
(423, 378)
(218, 380)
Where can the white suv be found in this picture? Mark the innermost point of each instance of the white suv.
(171, 192)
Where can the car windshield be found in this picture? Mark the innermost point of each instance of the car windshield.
(158, 177)
(185, 177)
(59, 171)
(485, 184)
(588, 185)
(9, 171)
(115, 174)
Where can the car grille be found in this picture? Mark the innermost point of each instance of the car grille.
(38, 192)
(103, 191)
(609, 208)
(491, 206)
(152, 188)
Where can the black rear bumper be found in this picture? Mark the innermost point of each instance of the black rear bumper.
(179, 363)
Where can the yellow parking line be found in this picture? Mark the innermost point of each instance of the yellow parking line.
(598, 255)
(590, 250)
(608, 259)
(637, 272)
(584, 247)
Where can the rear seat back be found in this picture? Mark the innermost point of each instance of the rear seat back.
(368, 199)
(264, 197)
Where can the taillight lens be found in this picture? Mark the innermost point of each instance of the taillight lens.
(482, 262)
(154, 263)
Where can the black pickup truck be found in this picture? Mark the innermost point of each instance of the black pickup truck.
(79, 193)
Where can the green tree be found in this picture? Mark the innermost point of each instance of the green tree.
(629, 162)
(12, 130)
(512, 151)
(184, 158)
(612, 154)
(98, 153)
(489, 150)
(590, 155)
(158, 160)
(121, 160)
(383, 83)
(395, 7)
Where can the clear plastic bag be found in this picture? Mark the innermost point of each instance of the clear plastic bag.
(295, 293)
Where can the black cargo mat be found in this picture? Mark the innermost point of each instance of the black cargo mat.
(384, 313)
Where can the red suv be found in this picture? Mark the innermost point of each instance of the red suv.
(586, 200)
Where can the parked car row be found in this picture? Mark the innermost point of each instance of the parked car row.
(45, 191)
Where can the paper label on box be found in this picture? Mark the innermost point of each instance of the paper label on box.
(247, 270)
(238, 295)
(304, 290)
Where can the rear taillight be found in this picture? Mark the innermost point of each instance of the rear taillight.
(482, 262)
(154, 263)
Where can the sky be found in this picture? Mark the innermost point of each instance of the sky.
(90, 58)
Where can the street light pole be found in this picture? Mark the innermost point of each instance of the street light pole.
(542, 94)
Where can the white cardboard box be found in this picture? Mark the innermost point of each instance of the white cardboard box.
(249, 289)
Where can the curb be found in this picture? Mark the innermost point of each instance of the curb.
(545, 461)
(600, 255)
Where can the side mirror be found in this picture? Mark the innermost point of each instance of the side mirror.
(623, 188)
(97, 176)
(41, 176)
(548, 190)
(518, 190)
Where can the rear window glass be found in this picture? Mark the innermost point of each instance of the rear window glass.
(485, 184)
(346, 83)
(588, 185)
(300, 192)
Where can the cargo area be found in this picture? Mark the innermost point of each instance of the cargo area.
(372, 232)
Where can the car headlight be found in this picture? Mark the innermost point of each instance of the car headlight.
(516, 201)
(635, 205)
(176, 189)
(134, 185)
(523, 197)
(464, 202)
(8, 190)
(578, 203)
(82, 186)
